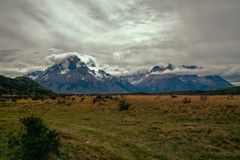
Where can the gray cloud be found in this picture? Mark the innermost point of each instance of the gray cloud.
(128, 35)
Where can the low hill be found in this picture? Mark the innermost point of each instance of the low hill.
(21, 86)
(229, 91)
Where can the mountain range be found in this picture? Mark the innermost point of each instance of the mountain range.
(75, 76)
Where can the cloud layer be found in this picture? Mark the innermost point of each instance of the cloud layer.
(126, 35)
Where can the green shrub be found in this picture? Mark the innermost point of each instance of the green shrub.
(123, 105)
(35, 142)
(99, 97)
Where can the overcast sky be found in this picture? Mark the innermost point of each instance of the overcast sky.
(126, 34)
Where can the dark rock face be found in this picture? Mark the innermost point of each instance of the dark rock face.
(161, 68)
(157, 69)
(190, 67)
(74, 76)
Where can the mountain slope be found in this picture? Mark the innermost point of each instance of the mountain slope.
(171, 83)
(21, 86)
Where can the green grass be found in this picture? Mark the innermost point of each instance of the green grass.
(154, 127)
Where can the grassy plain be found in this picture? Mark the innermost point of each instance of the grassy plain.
(154, 127)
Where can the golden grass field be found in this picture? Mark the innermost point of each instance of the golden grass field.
(154, 127)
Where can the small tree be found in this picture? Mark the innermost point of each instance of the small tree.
(36, 142)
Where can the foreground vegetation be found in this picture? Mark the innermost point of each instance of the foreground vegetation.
(35, 142)
(133, 127)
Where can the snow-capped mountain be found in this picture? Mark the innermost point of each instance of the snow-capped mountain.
(170, 78)
(72, 75)
(82, 75)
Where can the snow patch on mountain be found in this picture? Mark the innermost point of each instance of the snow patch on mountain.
(134, 81)
(33, 77)
(65, 67)
(64, 71)
(102, 75)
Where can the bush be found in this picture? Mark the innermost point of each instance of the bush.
(14, 100)
(53, 97)
(3, 100)
(230, 97)
(62, 102)
(123, 105)
(187, 100)
(94, 100)
(82, 99)
(99, 97)
(35, 142)
(204, 98)
(174, 96)
(35, 98)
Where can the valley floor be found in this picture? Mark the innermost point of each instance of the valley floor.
(154, 127)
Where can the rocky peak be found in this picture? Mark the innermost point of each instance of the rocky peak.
(169, 67)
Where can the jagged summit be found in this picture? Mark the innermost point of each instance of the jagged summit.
(162, 68)
(170, 67)
(72, 63)
(157, 69)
